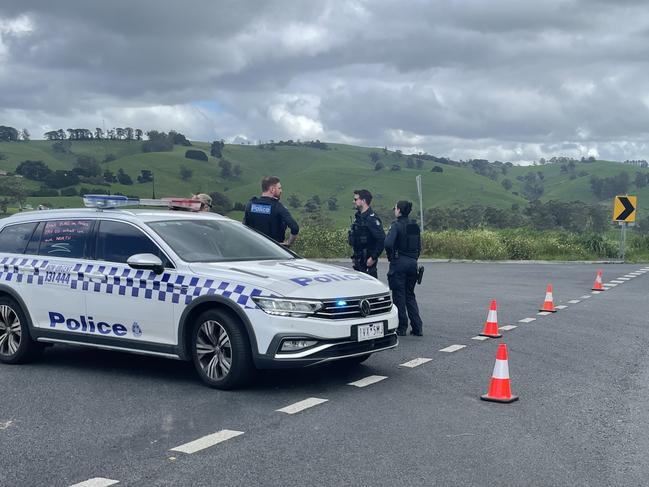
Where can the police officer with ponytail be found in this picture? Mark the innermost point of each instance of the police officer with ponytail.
(403, 246)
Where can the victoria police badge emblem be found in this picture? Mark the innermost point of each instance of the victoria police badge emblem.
(137, 331)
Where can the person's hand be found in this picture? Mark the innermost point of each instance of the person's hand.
(285, 243)
(370, 262)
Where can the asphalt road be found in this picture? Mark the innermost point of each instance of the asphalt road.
(582, 375)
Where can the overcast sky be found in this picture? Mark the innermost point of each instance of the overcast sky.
(509, 80)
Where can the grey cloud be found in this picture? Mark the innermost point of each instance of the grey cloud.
(506, 77)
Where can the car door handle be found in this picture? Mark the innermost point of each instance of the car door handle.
(97, 277)
(26, 269)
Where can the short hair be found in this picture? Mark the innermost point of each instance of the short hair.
(405, 207)
(268, 181)
(364, 195)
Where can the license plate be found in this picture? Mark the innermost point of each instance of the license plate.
(368, 332)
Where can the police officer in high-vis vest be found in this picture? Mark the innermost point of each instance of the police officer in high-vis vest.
(403, 246)
(268, 216)
(366, 235)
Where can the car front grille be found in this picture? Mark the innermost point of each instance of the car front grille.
(346, 308)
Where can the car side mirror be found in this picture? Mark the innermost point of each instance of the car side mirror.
(148, 262)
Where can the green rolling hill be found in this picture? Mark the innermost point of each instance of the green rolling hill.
(307, 171)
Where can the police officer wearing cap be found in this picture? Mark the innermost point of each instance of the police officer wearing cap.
(366, 235)
(268, 216)
(403, 246)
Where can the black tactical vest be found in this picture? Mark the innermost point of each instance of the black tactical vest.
(262, 215)
(409, 238)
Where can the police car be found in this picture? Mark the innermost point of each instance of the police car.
(183, 285)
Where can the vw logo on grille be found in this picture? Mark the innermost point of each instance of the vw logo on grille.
(365, 307)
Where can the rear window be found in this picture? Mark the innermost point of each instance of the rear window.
(14, 238)
(65, 238)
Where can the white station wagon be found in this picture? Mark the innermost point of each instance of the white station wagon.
(180, 284)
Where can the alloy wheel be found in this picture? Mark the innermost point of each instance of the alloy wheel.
(10, 330)
(214, 350)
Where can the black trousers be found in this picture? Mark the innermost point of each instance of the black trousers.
(402, 278)
(361, 266)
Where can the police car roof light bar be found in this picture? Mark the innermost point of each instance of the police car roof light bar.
(103, 201)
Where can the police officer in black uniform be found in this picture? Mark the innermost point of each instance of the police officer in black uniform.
(366, 235)
(403, 246)
(268, 216)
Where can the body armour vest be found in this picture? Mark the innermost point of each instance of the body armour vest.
(262, 215)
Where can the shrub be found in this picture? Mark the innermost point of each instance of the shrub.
(198, 155)
(69, 192)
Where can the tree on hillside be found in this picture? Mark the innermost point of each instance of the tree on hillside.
(14, 191)
(374, 156)
(609, 187)
(410, 163)
(179, 139)
(641, 179)
(123, 178)
(87, 166)
(216, 148)
(138, 134)
(378, 166)
(35, 170)
(145, 176)
(507, 184)
(533, 188)
(293, 201)
(8, 134)
(226, 168)
(25, 135)
(158, 142)
(109, 177)
(332, 203)
(99, 133)
(185, 173)
(220, 203)
(61, 179)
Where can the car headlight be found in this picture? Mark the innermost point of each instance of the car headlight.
(287, 307)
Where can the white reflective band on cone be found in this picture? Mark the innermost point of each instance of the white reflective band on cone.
(501, 370)
(492, 317)
(548, 296)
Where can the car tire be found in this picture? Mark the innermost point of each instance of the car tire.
(16, 345)
(221, 350)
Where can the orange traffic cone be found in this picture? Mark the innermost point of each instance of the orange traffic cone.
(491, 325)
(548, 304)
(499, 389)
(598, 282)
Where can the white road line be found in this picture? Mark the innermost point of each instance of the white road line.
(612, 284)
(585, 296)
(452, 348)
(507, 327)
(629, 276)
(301, 405)
(617, 281)
(543, 313)
(527, 320)
(481, 338)
(417, 362)
(96, 482)
(623, 279)
(207, 441)
(561, 306)
(372, 379)
(574, 301)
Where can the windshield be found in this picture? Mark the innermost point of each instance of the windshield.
(217, 241)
